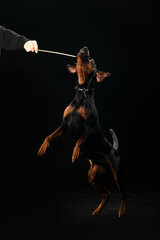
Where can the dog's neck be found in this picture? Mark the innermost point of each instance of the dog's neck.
(89, 82)
(86, 92)
(87, 89)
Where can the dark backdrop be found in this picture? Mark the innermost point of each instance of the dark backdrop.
(123, 38)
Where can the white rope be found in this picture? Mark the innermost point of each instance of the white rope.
(59, 53)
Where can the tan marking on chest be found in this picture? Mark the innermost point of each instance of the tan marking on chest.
(83, 112)
(68, 110)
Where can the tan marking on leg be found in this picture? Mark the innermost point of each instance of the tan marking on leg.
(76, 150)
(98, 185)
(68, 110)
(48, 140)
(122, 209)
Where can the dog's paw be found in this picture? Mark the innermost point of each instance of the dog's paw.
(97, 211)
(75, 154)
(122, 210)
(44, 147)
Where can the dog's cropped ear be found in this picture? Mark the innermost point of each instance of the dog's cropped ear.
(102, 75)
(71, 68)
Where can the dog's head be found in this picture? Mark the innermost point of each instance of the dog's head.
(85, 66)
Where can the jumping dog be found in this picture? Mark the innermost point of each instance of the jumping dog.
(80, 118)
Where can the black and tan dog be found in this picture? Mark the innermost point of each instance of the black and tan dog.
(80, 118)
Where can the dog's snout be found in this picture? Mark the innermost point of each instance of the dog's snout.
(84, 49)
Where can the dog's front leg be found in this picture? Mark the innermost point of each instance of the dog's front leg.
(80, 141)
(48, 140)
(76, 152)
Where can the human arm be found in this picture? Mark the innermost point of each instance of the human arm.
(10, 40)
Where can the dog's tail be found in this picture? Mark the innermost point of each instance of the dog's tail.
(115, 139)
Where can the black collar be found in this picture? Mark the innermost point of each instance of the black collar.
(84, 90)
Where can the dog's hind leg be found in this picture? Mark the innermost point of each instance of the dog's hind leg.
(119, 178)
(119, 182)
(96, 179)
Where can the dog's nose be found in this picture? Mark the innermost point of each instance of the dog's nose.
(84, 49)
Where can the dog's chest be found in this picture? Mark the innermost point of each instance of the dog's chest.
(87, 110)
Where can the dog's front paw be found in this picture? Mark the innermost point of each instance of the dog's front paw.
(44, 147)
(76, 153)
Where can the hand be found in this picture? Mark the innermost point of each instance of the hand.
(31, 46)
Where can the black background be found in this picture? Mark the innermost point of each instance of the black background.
(123, 38)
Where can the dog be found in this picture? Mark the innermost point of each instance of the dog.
(80, 118)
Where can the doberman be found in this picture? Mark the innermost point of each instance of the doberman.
(80, 118)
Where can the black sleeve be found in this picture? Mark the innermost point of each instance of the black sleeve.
(10, 40)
